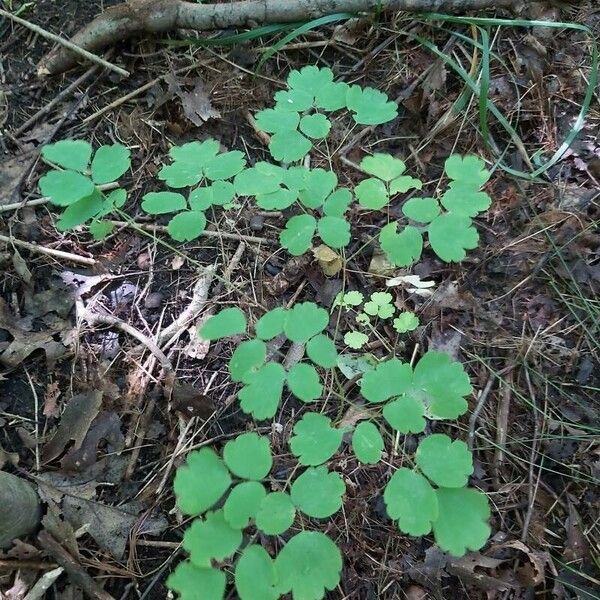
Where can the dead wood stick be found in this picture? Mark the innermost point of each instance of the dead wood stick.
(74, 570)
(137, 17)
(82, 260)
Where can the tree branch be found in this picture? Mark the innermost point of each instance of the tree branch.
(137, 17)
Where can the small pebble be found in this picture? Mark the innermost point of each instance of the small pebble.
(257, 223)
(153, 300)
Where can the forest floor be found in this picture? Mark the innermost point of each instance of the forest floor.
(522, 311)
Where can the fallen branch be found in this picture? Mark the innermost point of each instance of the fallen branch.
(138, 17)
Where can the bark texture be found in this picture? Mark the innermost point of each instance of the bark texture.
(137, 17)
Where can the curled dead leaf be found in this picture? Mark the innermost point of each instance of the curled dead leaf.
(329, 260)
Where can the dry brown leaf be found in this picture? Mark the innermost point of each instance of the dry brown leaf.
(329, 260)
(196, 104)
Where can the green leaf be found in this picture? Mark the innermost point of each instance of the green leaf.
(247, 358)
(99, 230)
(319, 183)
(248, 456)
(277, 120)
(371, 107)
(65, 187)
(263, 178)
(310, 79)
(298, 233)
(69, 154)
(318, 493)
(402, 184)
(321, 350)
(315, 126)
(367, 443)
(442, 384)
(380, 305)
(469, 171)
(255, 575)
(372, 193)
(464, 201)
(304, 321)
(296, 178)
(332, 97)
(219, 193)
(200, 482)
(275, 514)
(293, 100)
(334, 231)
(211, 538)
(224, 166)
(187, 579)
(117, 197)
(279, 200)
(404, 248)
(389, 378)
(189, 162)
(229, 321)
(262, 394)
(447, 463)
(411, 501)
(337, 203)
(270, 325)
(406, 321)
(406, 414)
(421, 210)
(308, 564)
(384, 166)
(187, 226)
(242, 503)
(110, 162)
(303, 381)
(355, 339)
(289, 146)
(161, 203)
(463, 520)
(81, 211)
(315, 441)
(352, 298)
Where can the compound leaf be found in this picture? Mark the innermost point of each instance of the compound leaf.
(410, 500)
(276, 513)
(463, 520)
(294, 100)
(298, 233)
(404, 248)
(380, 305)
(261, 395)
(318, 184)
(315, 126)
(351, 298)
(229, 321)
(421, 210)
(262, 178)
(277, 120)
(69, 154)
(337, 203)
(317, 492)
(187, 579)
(308, 564)
(211, 537)
(224, 166)
(332, 97)
(289, 146)
(465, 201)
(270, 324)
(468, 170)
(315, 440)
(389, 378)
(65, 187)
(303, 381)
(370, 106)
(406, 414)
(447, 463)
(367, 443)
(372, 193)
(200, 482)
(162, 203)
(219, 193)
(255, 575)
(310, 79)
(110, 162)
(321, 350)
(304, 321)
(188, 163)
(248, 456)
(383, 166)
(187, 225)
(334, 231)
(248, 356)
(406, 321)
(243, 502)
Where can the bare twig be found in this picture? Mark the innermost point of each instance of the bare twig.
(82, 260)
(475, 414)
(43, 584)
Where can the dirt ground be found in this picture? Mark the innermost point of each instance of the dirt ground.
(522, 312)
